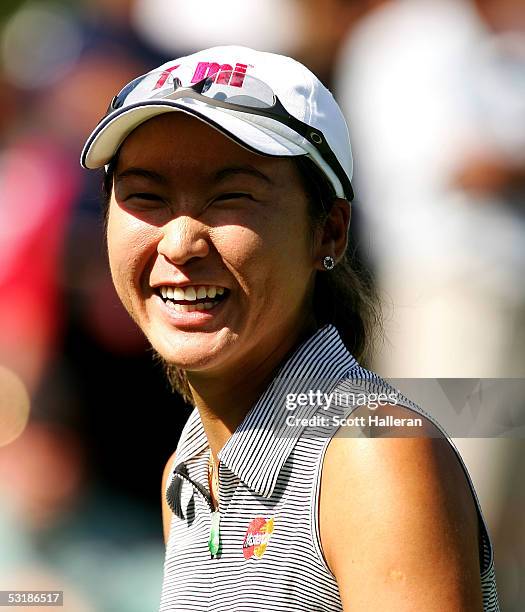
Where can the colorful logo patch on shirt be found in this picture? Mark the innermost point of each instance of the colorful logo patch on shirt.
(257, 537)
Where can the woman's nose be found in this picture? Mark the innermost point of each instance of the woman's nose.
(183, 239)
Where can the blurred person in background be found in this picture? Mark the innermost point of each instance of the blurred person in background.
(436, 98)
(435, 95)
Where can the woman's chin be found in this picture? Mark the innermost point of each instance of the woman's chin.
(190, 353)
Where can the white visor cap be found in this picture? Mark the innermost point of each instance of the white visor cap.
(300, 92)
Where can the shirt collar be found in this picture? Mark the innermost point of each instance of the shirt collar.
(263, 441)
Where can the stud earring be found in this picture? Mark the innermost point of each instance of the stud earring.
(328, 262)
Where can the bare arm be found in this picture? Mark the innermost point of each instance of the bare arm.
(399, 525)
(166, 511)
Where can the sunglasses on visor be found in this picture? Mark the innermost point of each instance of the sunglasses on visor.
(255, 97)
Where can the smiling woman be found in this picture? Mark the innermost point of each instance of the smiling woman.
(346, 298)
(227, 230)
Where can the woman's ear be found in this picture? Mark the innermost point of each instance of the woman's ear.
(334, 232)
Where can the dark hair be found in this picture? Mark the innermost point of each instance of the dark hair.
(345, 297)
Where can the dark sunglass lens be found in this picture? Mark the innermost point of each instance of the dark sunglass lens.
(112, 104)
(201, 87)
(120, 98)
(206, 84)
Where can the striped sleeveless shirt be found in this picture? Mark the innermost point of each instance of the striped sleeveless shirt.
(270, 556)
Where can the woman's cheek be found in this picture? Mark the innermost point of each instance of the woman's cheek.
(238, 246)
(130, 245)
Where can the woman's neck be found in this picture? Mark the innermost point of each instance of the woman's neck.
(224, 399)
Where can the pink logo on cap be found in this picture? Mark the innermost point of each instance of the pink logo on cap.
(164, 76)
(222, 74)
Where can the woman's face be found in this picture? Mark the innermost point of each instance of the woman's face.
(191, 209)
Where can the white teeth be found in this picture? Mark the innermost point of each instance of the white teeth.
(190, 307)
(185, 307)
(190, 294)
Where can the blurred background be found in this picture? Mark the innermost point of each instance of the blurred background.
(434, 93)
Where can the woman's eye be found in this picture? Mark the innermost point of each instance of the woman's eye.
(144, 201)
(234, 195)
(144, 196)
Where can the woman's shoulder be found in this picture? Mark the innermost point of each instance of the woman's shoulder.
(396, 444)
(396, 513)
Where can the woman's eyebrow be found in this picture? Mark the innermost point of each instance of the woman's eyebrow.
(141, 173)
(220, 175)
(229, 171)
